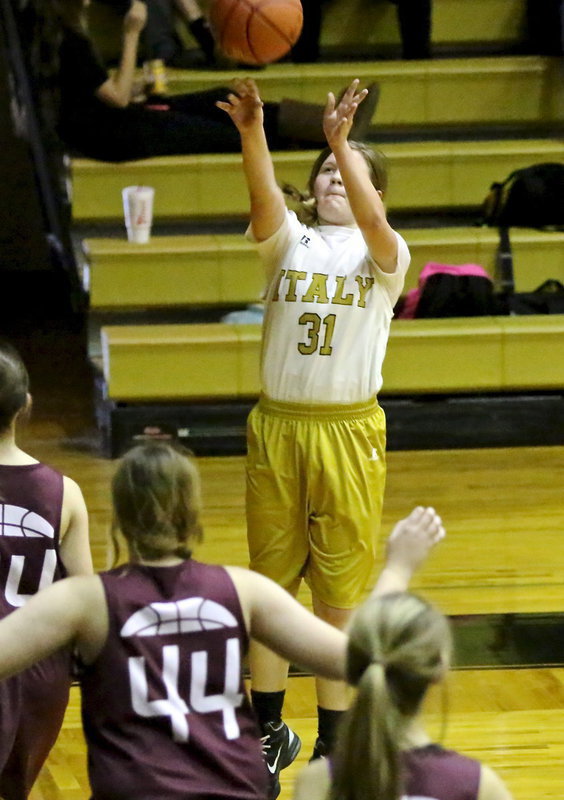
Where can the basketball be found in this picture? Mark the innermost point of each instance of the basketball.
(255, 31)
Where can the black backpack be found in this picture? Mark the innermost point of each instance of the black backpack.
(548, 298)
(532, 197)
(447, 295)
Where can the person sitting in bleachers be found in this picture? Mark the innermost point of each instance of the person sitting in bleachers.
(94, 113)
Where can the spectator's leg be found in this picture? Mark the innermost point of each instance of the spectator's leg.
(159, 37)
(414, 17)
(544, 27)
(306, 48)
(198, 26)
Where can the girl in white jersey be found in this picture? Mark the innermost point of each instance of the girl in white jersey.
(316, 440)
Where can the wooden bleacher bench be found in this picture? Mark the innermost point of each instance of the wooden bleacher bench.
(452, 91)
(173, 271)
(224, 270)
(164, 363)
(424, 175)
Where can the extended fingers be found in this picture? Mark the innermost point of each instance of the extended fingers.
(358, 98)
(246, 87)
(350, 91)
(230, 104)
(244, 94)
(423, 520)
(430, 523)
(351, 95)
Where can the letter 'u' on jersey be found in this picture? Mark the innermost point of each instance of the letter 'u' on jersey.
(17, 566)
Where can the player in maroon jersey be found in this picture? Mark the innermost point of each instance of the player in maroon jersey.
(399, 646)
(43, 538)
(162, 638)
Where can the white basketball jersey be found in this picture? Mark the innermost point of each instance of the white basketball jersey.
(328, 313)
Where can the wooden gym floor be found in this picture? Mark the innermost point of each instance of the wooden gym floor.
(504, 555)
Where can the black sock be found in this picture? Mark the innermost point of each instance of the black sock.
(267, 706)
(327, 721)
(201, 32)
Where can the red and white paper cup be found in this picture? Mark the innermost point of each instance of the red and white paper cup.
(138, 212)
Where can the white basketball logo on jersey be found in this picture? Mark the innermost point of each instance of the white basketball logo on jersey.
(18, 521)
(193, 614)
(182, 616)
(417, 797)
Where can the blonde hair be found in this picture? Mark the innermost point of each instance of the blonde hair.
(398, 646)
(305, 200)
(157, 502)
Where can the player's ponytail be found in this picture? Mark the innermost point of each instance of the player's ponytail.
(157, 502)
(304, 203)
(398, 646)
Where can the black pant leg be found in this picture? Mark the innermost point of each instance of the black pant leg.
(414, 17)
(200, 103)
(306, 48)
(544, 27)
(159, 36)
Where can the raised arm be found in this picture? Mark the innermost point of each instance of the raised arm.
(244, 106)
(407, 548)
(365, 200)
(117, 90)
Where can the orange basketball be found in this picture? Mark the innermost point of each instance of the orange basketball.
(256, 31)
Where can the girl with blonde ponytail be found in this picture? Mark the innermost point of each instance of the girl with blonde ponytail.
(398, 646)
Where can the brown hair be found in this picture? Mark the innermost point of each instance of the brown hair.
(398, 646)
(157, 502)
(14, 384)
(307, 210)
(72, 13)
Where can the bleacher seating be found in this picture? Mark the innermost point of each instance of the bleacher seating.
(449, 127)
(224, 270)
(423, 176)
(459, 92)
(163, 363)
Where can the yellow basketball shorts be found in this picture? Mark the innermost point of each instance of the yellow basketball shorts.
(315, 487)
